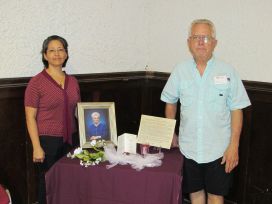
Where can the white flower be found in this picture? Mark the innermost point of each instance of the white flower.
(93, 142)
(78, 150)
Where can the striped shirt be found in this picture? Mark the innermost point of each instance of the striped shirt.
(55, 106)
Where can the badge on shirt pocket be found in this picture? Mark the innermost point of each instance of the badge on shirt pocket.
(220, 79)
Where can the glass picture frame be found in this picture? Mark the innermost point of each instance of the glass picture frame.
(96, 121)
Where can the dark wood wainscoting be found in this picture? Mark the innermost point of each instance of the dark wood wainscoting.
(259, 157)
(136, 93)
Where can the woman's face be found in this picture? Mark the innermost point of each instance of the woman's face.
(55, 54)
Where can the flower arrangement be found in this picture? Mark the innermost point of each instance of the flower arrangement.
(89, 158)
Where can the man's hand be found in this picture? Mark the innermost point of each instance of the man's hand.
(175, 141)
(230, 158)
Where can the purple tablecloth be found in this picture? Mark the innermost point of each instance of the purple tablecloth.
(69, 183)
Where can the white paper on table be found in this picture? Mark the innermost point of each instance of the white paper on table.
(127, 143)
(156, 131)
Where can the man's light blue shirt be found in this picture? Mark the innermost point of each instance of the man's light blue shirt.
(206, 105)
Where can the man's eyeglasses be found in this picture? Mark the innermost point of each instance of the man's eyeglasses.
(203, 38)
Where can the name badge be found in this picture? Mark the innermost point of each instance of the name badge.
(220, 79)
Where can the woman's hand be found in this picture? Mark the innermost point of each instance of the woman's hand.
(38, 155)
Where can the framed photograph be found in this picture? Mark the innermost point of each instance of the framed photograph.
(96, 120)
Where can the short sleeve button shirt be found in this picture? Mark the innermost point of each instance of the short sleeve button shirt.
(54, 116)
(206, 105)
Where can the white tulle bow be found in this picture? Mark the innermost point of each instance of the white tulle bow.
(136, 161)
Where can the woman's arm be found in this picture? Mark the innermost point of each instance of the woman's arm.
(38, 153)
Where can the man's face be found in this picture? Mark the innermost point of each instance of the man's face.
(96, 119)
(201, 43)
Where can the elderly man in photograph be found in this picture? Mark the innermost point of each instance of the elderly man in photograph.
(211, 97)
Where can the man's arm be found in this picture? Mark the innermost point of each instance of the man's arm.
(231, 155)
(170, 112)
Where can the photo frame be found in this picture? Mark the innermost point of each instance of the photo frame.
(96, 120)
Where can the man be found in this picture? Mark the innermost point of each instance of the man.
(211, 95)
(97, 130)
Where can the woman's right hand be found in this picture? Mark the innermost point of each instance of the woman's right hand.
(38, 155)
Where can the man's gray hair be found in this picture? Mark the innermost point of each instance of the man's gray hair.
(203, 21)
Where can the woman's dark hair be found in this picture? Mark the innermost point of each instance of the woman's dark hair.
(45, 47)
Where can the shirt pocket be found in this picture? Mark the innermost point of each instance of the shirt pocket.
(217, 97)
(186, 93)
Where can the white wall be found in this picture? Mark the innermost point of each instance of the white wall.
(244, 33)
(103, 35)
(127, 35)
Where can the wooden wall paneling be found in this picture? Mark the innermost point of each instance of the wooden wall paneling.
(156, 83)
(32, 174)
(155, 86)
(127, 96)
(259, 186)
(13, 166)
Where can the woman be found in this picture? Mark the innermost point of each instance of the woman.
(50, 102)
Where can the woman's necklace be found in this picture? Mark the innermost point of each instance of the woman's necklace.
(59, 78)
(60, 81)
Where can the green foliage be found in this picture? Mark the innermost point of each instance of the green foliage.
(90, 156)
